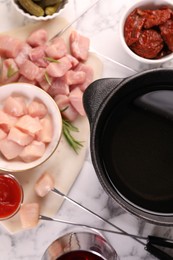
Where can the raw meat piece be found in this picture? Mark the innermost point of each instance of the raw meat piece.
(10, 149)
(37, 55)
(62, 101)
(6, 121)
(58, 86)
(19, 137)
(23, 54)
(89, 75)
(15, 106)
(37, 109)
(58, 69)
(32, 151)
(74, 77)
(9, 46)
(73, 60)
(70, 113)
(29, 214)
(46, 133)
(29, 124)
(57, 49)
(9, 72)
(29, 70)
(37, 38)
(79, 46)
(75, 97)
(25, 80)
(44, 184)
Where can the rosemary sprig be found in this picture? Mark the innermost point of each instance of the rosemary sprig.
(47, 78)
(51, 59)
(67, 128)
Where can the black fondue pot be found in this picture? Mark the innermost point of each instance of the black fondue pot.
(131, 123)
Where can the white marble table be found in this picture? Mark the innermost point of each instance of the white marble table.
(101, 25)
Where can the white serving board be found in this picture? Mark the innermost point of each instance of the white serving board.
(65, 164)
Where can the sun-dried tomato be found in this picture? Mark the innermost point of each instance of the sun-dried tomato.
(149, 45)
(154, 17)
(132, 28)
(167, 33)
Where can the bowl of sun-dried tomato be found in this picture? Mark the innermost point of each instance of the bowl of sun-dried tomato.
(146, 31)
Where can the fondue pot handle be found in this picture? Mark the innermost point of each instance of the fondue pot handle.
(96, 94)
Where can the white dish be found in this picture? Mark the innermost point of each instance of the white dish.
(31, 92)
(39, 18)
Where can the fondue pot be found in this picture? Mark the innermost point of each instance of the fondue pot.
(131, 128)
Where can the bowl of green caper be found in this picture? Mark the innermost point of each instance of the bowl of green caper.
(40, 10)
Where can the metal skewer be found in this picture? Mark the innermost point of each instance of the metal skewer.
(42, 217)
(93, 213)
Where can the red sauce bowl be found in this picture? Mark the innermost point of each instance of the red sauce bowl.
(11, 196)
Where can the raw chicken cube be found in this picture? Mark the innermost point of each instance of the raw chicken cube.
(19, 137)
(29, 70)
(58, 69)
(33, 151)
(75, 97)
(73, 60)
(74, 77)
(6, 121)
(58, 86)
(25, 80)
(10, 149)
(9, 72)
(15, 106)
(37, 55)
(37, 109)
(9, 46)
(79, 46)
(23, 54)
(46, 133)
(70, 113)
(62, 101)
(43, 79)
(29, 214)
(57, 49)
(89, 75)
(37, 38)
(44, 184)
(28, 124)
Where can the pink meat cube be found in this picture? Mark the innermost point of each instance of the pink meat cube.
(9, 72)
(29, 214)
(37, 109)
(62, 101)
(29, 70)
(2, 134)
(60, 68)
(6, 121)
(58, 86)
(28, 124)
(19, 137)
(15, 106)
(46, 133)
(73, 60)
(57, 49)
(79, 46)
(44, 184)
(43, 79)
(23, 54)
(37, 38)
(33, 151)
(10, 149)
(75, 97)
(37, 55)
(9, 46)
(89, 75)
(75, 77)
(70, 113)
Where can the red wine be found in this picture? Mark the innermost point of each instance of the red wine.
(80, 255)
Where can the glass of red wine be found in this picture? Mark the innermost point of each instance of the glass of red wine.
(11, 196)
(80, 245)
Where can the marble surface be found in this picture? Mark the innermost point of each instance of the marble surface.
(101, 24)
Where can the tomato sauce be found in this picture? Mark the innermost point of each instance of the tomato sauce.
(11, 196)
(80, 255)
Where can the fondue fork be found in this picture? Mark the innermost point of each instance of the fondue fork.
(152, 241)
(63, 30)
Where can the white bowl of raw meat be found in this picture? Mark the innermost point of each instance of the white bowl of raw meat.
(40, 10)
(30, 127)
